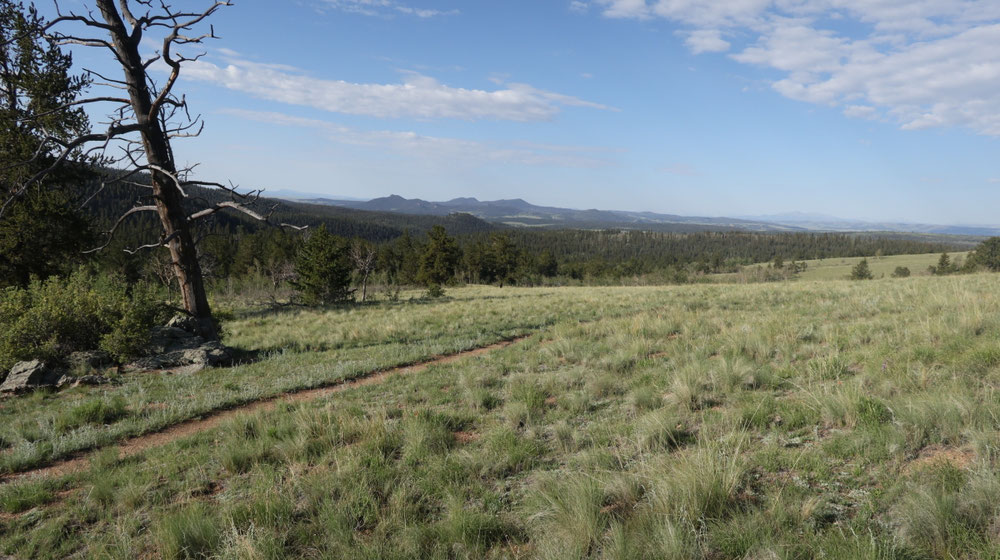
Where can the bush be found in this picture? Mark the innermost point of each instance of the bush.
(435, 291)
(861, 271)
(901, 272)
(50, 319)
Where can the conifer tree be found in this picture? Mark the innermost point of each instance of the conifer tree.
(42, 232)
(861, 271)
(323, 269)
(439, 259)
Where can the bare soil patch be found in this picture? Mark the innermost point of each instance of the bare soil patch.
(957, 457)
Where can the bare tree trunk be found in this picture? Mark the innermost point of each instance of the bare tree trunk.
(166, 192)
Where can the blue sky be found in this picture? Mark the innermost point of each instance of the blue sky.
(873, 109)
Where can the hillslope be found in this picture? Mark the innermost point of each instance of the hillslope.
(517, 212)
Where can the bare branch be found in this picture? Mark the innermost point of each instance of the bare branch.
(121, 219)
(162, 243)
(245, 210)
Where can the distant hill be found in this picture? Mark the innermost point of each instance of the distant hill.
(520, 213)
(112, 201)
(823, 222)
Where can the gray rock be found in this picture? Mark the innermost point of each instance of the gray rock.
(28, 376)
(211, 354)
(168, 339)
(186, 323)
(82, 380)
(93, 359)
(200, 327)
(207, 354)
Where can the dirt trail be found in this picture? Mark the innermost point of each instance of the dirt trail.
(138, 444)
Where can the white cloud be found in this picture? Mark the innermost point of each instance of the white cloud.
(417, 96)
(919, 63)
(448, 150)
(706, 40)
(382, 8)
(861, 112)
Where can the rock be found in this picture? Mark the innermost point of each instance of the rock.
(211, 354)
(82, 380)
(94, 359)
(206, 354)
(168, 339)
(186, 323)
(28, 376)
(204, 327)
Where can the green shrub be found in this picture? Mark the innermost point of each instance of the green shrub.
(48, 320)
(901, 272)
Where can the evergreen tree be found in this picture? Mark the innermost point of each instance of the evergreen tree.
(479, 263)
(861, 271)
(439, 259)
(988, 254)
(42, 232)
(323, 269)
(504, 256)
(547, 265)
(944, 266)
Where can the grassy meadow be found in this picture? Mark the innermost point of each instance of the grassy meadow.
(882, 267)
(768, 421)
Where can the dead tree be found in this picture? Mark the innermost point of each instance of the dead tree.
(364, 257)
(144, 117)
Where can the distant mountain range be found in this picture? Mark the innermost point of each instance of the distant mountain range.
(823, 222)
(520, 213)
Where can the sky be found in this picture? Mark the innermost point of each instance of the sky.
(865, 109)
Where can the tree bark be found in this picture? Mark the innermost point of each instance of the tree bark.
(167, 194)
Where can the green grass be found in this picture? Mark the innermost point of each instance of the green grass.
(302, 348)
(793, 420)
(882, 267)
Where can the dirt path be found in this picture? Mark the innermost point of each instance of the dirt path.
(138, 444)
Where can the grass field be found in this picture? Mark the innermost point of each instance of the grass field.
(840, 268)
(791, 420)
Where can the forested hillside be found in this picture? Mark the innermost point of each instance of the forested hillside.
(234, 246)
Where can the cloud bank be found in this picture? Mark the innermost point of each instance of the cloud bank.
(382, 8)
(417, 96)
(918, 63)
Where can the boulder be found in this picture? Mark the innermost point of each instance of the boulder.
(82, 380)
(28, 376)
(185, 322)
(206, 354)
(93, 359)
(200, 327)
(168, 339)
(211, 354)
